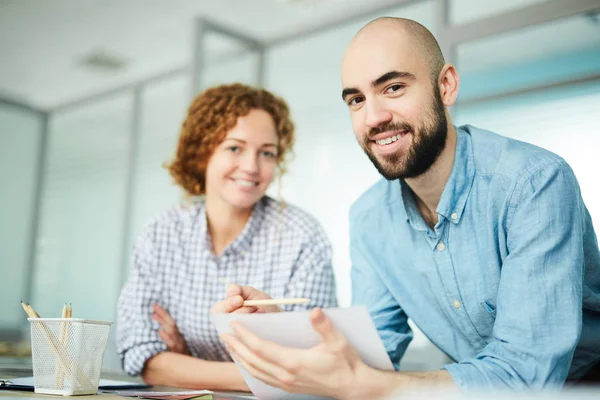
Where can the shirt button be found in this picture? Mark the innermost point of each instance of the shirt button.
(440, 246)
(454, 216)
(222, 281)
(456, 304)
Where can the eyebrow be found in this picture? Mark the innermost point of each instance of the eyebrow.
(388, 76)
(243, 141)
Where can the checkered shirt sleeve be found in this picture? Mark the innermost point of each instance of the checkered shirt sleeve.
(136, 331)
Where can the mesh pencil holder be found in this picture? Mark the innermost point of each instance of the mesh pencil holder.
(67, 354)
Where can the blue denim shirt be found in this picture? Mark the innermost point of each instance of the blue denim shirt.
(507, 283)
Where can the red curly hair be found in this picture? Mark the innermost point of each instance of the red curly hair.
(210, 116)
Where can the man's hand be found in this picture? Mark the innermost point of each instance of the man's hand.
(234, 300)
(332, 368)
(169, 332)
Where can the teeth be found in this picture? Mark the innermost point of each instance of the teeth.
(388, 140)
(245, 183)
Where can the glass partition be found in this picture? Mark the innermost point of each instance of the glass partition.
(542, 55)
(20, 141)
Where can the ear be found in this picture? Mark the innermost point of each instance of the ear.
(449, 83)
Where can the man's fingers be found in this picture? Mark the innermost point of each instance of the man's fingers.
(325, 328)
(284, 357)
(256, 365)
(258, 374)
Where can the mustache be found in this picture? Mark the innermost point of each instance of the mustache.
(390, 126)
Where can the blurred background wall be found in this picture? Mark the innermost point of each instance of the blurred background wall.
(93, 92)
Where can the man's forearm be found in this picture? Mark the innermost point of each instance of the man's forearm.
(378, 384)
(172, 369)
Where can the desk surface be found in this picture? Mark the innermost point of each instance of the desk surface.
(7, 372)
(20, 395)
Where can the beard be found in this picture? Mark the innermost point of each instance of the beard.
(428, 142)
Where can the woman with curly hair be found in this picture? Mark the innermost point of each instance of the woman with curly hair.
(233, 142)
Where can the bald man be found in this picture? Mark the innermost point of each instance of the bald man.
(483, 241)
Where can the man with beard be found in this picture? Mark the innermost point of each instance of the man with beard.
(483, 241)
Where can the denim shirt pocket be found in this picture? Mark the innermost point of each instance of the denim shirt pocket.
(485, 320)
(489, 307)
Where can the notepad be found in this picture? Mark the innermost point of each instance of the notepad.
(293, 329)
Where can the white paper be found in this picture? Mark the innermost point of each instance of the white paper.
(293, 329)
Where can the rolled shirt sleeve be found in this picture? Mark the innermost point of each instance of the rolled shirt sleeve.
(137, 333)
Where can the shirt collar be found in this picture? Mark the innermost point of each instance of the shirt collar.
(244, 240)
(412, 213)
(457, 189)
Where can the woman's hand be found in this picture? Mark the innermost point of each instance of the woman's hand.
(234, 301)
(169, 332)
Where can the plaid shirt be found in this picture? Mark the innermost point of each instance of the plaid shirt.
(283, 252)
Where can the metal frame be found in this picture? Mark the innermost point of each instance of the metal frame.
(518, 19)
(131, 87)
(203, 27)
(134, 147)
(18, 104)
(450, 36)
(37, 203)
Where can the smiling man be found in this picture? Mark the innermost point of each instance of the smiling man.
(483, 241)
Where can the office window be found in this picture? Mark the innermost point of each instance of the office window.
(79, 247)
(164, 106)
(465, 11)
(544, 54)
(563, 120)
(20, 140)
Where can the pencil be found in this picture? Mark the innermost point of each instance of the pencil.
(24, 305)
(32, 313)
(274, 302)
(59, 374)
(61, 358)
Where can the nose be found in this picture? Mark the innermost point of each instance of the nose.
(376, 114)
(249, 163)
